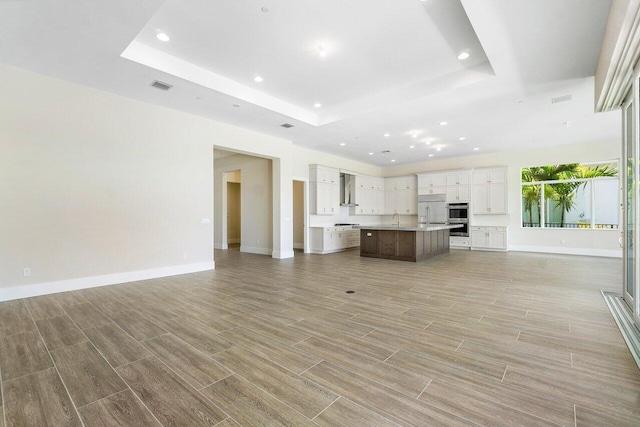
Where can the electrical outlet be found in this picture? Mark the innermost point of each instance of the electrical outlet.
(27, 271)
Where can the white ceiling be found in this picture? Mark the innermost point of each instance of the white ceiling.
(390, 67)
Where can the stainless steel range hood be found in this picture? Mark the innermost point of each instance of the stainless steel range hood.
(347, 190)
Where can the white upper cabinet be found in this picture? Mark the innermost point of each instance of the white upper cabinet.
(432, 183)
(369, 195)
(324, 189)
(401, 196)
(489, 191)
(458, 186)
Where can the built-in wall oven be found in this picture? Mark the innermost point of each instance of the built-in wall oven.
(458, 213)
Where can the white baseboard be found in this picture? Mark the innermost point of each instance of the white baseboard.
(568, 251)
(254, 250)
(17, 292)
(220, 246)
(298, 246)
(282, 255)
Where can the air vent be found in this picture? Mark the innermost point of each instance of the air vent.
(286, 125)
(160, 85)
(561, 99)
(386, 152)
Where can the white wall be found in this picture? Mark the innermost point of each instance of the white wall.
(304, 157)
(96, 188)
(256, 202)
(571, 241)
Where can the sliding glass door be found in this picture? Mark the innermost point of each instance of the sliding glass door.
(630, 200)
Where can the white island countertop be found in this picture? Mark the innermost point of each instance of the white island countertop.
(419, 227)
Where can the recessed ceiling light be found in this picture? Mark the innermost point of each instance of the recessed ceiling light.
(415, 135)
(463, 55)
(322, 52)
(428, 142)
(258, 79)
(162, 37)
(462, 138)
(387, 135)
(393, 160)
(412, 146)
(371, 154)
(476, 149)
(443, 123)
(342, 144)
(317, 105)
(430, 155)
(438, 148)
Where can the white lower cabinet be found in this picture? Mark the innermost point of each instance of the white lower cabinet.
(326, 240)
(460, 242)
(489, 238)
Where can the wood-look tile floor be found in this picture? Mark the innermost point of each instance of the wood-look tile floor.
(467, 338)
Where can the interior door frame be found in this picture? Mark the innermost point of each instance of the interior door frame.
(305, 184)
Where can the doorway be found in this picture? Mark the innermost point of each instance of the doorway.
(298, 216)
(234, 210)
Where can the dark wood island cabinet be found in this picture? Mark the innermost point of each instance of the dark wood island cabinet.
(404, 243)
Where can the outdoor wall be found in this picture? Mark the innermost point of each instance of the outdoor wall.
(256, 202)
(96, 188)
(569, 241)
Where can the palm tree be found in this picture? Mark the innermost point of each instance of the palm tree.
(563, 193)
(531, 193)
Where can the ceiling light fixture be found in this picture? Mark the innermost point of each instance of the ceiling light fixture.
(322, 52)
(317, 105)
(430, 155)
(438, 148)
(162, 37)
(463, 56)
(342, 144)
(412, 146)
(443, 123)
(462, 138)
(371, 154)
(258, 79)
(393, 160)
(476, 149)
(264, 9)
(387, 135)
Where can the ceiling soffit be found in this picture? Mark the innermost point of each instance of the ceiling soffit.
(297, 78)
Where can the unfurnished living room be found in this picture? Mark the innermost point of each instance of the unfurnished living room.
(336, 213)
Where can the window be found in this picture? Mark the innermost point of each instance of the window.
(571, 195)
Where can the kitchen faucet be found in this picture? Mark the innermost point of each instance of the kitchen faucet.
(394, 215)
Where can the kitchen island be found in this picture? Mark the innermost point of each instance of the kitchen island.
(413, 243)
